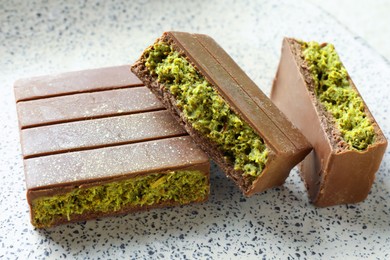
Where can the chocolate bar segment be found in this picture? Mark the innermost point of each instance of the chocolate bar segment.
(74, 82)
(337, 171)
(95, 105)
(126, 154)
(87, 134)
(121, 161)
(235, 123)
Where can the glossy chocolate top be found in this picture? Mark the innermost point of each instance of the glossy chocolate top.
(95, 125)
(75, 82)
(113, 162)
(95, 105)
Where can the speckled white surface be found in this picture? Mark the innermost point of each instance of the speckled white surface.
(40, 38)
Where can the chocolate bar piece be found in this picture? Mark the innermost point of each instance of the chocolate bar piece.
(98, 143)
(222, 109)
(316, 93)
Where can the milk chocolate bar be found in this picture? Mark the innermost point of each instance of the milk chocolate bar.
(222, 109)
(314, 90)
(98, 143)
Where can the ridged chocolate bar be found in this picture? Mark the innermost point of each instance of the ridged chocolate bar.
(333, 172)
(92, 133)
(286, 145)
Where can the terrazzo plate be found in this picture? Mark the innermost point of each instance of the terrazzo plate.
(40, 38)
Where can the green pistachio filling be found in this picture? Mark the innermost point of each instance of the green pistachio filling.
(206, 110)
(335, 93)
(177, 186)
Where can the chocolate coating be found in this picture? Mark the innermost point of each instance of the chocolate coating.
(333, 175)
(95, 105)
(287, 146)
(87, 134)
(92, 127)
(106, 163)
(74, 82)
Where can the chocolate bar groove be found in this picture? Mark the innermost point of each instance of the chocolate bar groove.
(109, 162)
(95, 105)
(43, 154)
(77, 92)
(91, 118)
(74, 82)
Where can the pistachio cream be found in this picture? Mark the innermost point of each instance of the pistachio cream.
(334, 91)
(176, 186)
